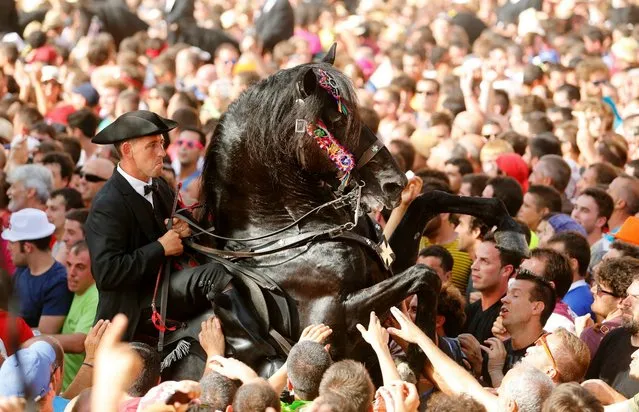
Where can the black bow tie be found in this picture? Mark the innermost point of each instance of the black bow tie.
(153, 187)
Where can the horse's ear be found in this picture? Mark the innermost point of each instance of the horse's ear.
(330, 56)
(307, 84)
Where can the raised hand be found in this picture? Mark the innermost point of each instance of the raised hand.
(496, 354)
(472, 349)
(375, 335)
(316, 333)
(116, 366)
(211, 337)
(92, 341)
(408, 330)
(232, 368)
(412, 190)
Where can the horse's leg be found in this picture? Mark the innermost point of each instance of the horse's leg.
(405, 239)
(418, 279)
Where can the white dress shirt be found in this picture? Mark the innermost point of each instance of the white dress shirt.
(137, 184)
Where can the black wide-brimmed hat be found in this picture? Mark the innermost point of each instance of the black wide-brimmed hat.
(130, 125)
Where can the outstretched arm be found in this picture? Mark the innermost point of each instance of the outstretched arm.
(377, 337)
(455, 380)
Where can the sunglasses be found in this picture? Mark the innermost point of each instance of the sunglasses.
(92, 178)
(599, 82)
(191, 144)
(601, 291)
(543, 342)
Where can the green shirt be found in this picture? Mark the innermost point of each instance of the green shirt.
(295, 406)
(79, 320)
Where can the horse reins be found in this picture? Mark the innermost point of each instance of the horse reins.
(158, 319)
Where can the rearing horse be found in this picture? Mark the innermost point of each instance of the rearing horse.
(279, 155)
(266, 169)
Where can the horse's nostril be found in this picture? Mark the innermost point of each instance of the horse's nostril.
(392, 189)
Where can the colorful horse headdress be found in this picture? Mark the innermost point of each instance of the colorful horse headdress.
(337, 153)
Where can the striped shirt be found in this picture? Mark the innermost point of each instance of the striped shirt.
(461, 263)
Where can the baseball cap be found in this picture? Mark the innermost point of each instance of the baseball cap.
(50, 73)
(87, 91)
(564, 223)
(28, 368)
(28, 224)
(629, 231)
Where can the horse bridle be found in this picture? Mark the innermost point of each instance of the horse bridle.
(351, 198)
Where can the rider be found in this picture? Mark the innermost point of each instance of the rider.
(129, 242)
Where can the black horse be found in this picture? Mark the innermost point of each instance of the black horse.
(271, 187)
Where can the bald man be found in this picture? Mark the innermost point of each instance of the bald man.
(467, 123)
(94, 174)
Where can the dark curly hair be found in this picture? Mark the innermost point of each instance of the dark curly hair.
(451, 306)
(618, 273)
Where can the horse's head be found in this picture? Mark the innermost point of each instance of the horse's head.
(299, 130)
(336, 144)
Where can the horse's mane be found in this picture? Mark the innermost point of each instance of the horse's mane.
(259, 128)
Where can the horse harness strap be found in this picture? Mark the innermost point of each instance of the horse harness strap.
(160, 323)
(381, 251)
(369, 154)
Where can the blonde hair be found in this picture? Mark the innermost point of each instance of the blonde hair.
(494, 148)
(572, 356)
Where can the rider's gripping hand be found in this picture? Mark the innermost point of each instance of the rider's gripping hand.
(172, 243)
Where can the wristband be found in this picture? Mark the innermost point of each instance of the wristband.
(87, 364)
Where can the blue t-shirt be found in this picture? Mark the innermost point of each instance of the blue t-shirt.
(60, 404)
(46, 294)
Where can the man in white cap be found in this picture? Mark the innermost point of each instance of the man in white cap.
(40, 281)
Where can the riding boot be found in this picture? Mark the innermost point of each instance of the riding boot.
(246, 335)
(192, 289)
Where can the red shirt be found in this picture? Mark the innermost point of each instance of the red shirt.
(23, 330)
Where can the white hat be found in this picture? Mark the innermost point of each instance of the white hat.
(28, 224)
(50, 73)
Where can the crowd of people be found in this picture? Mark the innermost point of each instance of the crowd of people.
(533, 102)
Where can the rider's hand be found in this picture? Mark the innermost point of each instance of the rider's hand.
(211, 337)
(171, 243)
(180, 226)
(232, 368)
(376, 335)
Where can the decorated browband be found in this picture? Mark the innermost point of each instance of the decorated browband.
(339, 155)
